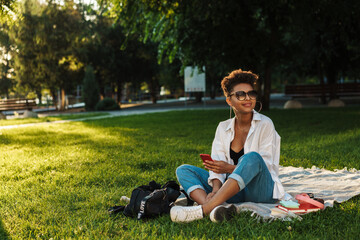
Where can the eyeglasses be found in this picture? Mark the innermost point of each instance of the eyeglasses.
(241, 95)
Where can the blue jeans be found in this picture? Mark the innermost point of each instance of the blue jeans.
(251, 173)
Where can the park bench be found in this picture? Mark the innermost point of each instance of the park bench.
(323, 90)
(17, 104)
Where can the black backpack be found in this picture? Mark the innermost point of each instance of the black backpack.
(150, 200)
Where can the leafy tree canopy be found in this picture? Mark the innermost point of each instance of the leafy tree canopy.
(6, 5)
(261, 35)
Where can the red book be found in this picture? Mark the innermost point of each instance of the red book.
(303, 208)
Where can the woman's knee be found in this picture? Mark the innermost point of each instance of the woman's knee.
(183, 169)
(254, 156)
(252, 159)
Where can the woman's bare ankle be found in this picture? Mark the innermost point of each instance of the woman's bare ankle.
(206, 209)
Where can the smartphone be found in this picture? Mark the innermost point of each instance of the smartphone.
(206, 157)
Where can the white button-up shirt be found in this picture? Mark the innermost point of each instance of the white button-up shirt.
(262, 138)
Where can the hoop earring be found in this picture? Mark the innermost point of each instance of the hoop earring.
(260, 106)
(230, 111)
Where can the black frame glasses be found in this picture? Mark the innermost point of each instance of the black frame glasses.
(241, 95)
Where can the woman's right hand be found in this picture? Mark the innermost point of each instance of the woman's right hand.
(219, 166)
(210, 196)
(216, 186)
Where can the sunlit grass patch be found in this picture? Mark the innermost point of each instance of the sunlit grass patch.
(17, 121)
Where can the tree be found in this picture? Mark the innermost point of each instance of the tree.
(23, 36)
(6, 62)
(6, 5)
(169, 76)
(289, 37)
(45, 40)
(222, 36)
(90, 89)
(118, 58)
(327, 32)
(103, 51)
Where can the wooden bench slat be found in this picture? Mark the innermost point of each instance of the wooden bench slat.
(317, 90)
(17, 107)
(18, 99)
(17, 104)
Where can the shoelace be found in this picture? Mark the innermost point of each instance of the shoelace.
(192, 213)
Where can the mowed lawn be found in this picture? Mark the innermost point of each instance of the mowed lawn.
(58, 180)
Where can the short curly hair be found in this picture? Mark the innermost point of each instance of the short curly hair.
(236, 77)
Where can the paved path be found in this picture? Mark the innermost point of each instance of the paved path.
(124, 112)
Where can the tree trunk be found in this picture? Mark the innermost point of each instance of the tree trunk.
(102, 91)
(198, 96)
(322, 83)
(6, 71)
(54, 97)
(267, 87)
(39, 95)
(118, 92)
(331, 75)
(270, 56)
(212, 91)
(153, 97)
(153, 90)
(258, 87)
(211, 79)
(62, 103)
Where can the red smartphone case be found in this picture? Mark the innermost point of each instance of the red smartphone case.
(206, 157)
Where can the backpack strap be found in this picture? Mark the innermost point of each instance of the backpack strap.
(141, 212)
(116, 209)
(154, 185)
(189, 201)
(172, 184)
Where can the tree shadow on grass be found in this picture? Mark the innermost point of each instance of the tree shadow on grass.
(4, 235)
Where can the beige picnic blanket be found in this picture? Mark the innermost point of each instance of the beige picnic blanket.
(337, 185)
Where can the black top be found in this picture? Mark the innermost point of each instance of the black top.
(235, 156)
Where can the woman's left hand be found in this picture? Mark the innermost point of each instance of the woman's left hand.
(219, 166)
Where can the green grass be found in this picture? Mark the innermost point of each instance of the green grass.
(17, 121)
(57, 181)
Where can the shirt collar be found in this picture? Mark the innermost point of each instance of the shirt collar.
(256, 117)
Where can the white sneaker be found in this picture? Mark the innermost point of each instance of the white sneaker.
(221, 213)
(186, 214)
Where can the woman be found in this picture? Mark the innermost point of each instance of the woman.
(246, 152)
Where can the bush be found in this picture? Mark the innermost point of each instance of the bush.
(91, 89)
(107, 104)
